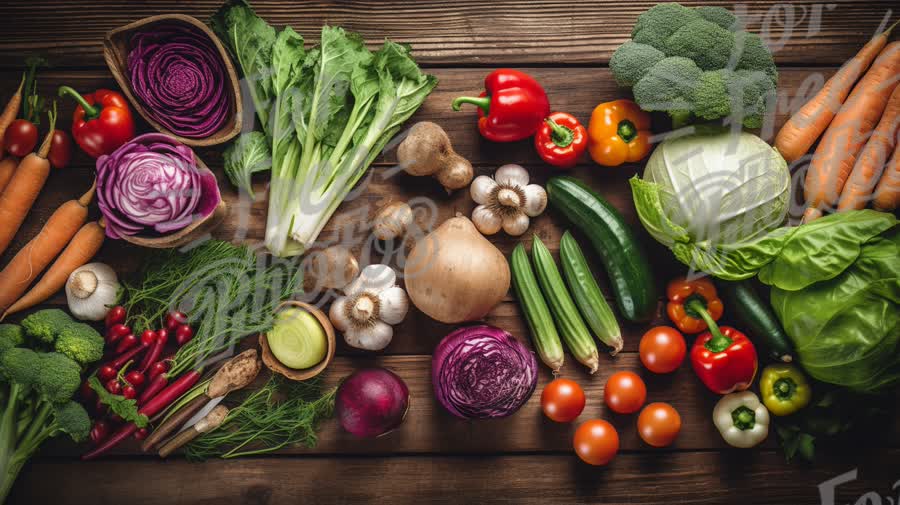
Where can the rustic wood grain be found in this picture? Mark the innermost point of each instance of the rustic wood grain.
(744, 477)
(459, 33)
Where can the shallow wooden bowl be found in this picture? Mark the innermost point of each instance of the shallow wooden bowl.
(115, 52)
(188, 234)
(306, 373)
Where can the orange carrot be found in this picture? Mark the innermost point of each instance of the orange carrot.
(7, 168)
(10, 112)
(887, 193)
(837, 152)
(858, 190)
(81, 249)
(32, 259)
(807, 124)
(22, 189)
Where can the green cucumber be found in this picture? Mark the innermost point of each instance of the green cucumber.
(571, 327)
(757, 317)
(543, 332)
(625, 263)
(588, 297)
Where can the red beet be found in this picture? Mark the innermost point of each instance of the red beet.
(371, 402)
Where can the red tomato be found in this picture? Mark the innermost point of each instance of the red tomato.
(662, 349)
(596, 442)
(60, 149)
(20, 138)
(625, 392)
(659, 424)
(562, 400)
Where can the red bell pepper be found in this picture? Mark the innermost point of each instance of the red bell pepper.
(512, 107)
(561, 140)
(102, 121)
(724, 359)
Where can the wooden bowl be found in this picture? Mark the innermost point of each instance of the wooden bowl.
(115, 52)
(188, 234)
(307, 373)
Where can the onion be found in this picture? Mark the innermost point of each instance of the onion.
(371, 402)
(454, 274)
(482, 372)
(179, 76)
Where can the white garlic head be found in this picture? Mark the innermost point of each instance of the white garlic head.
(371, 304)
(506, 201)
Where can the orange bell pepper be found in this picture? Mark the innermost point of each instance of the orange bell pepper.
(691, 303)
(619, 131)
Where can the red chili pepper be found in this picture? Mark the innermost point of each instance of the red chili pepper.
(512, 107)
(102, 121)
(561, 140)
(724, 359)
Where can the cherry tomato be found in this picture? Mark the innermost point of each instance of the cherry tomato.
(148, 338)
(99, 431)
(141, 434)
(596, 442)
(625, 392)
(158, 368)
(562, 400)
(183, 334)
(135, 378)
(659, 424)
(162, 335)
(114, 386)
(60, 149)
(21, 137)
(662, 349)
(129, 392)
(106, 373)
(115, 315)
(175, 319)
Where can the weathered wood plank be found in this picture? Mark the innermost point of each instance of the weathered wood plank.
(747, 477)
(460, 33)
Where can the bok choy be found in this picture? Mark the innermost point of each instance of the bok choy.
(327, 112)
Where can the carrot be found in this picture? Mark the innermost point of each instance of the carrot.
(32, 259)
(7, 169)
(887, 193)
(837, 152)
(807, 124)
(868, 168)
(10, 112)
(22, 189)
(81, 249)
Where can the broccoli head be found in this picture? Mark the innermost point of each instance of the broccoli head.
(44, 325)
(81, 342)
(11, 335)
(20, 365)
(71, 418)
(58, 377)
(711, 70)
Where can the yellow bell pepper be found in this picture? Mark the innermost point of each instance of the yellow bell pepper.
(784, 389)
(619, 131)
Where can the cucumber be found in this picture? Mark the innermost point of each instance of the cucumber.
(625, 263)
(543, 331)
(571, 327)
(588, 297)
(757, 317)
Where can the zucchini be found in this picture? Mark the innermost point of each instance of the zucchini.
(757, 317)
(629, 272)
(588, 297)
(571, 327)
(543, 332)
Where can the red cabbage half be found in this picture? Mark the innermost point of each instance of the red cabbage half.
(153, 184)
(482, 372)
(179, 76)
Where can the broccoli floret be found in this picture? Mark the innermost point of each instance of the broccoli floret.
(71, 418)
(11, 335)
(20, 365)
(708, 44)
(655, 25)
(58, 378)
(718, 15)
(45, 325)
(631, 61)
(723, 92)
(754, 55)
(81, 342)
(668, 86)
(711, 97)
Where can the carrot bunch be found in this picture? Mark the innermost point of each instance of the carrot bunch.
(858, 110)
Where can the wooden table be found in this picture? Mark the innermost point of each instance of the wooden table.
(434, 458)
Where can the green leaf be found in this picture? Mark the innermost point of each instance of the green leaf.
(248, 155)
(124, 408)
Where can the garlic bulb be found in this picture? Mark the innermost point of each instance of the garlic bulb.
(371, 304)
(91, 290)
(506, 201)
